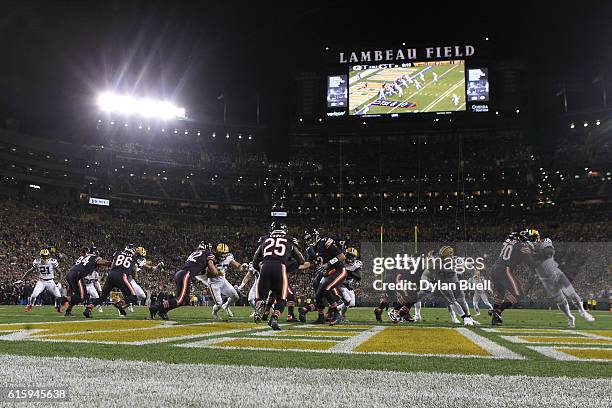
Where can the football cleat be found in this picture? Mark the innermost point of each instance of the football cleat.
(215, 312)
(131, 308)
(122, 312)
(417, 318)
(320, 320)
(273, 323)
(291, 318)
(571, 322)
(87, 312)
(587, 316)
(467, 321)
(227, 311)
(336, 318)
(496, 318)
(302, 315)
(100, 309)
(68, 313)
(27, 308)
(162, 314)
(152, 311)
(477, 314)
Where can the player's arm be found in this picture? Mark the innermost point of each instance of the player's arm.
(297, 255)
(29, 271)
(257, 258)
(245, 281)
(212, 267)
(97, 285)
(103, 262)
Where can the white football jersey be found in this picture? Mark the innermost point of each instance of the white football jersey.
(92, 278)
(222, 267)
(46, 268)
(356, 265)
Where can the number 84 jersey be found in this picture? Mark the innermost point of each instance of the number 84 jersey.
(46, 268)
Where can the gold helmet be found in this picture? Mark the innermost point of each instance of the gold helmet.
(446, 251)
(141, 251)
(222, 250)
(351, 254)
(45, 253)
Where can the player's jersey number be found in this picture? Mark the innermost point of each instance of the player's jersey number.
(124, 261)
(275, 246)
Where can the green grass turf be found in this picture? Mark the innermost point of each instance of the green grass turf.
(425, 98)
(536, 364)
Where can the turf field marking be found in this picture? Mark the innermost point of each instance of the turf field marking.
(517, 330)
(578, 340)
(592, 335)
(558, 353)
(351, 344)
(490, 346)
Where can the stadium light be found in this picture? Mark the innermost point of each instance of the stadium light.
(128, 105)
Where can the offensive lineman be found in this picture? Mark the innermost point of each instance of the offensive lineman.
(83, 267)
(123, 266)
(507, 289)
(272, 257)
(331, 273)
(46, 267)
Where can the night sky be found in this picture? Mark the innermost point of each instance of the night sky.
(56, 55)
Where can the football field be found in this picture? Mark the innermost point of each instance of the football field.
(432, 88)
(533, 360)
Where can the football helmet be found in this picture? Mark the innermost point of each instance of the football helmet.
(141, 251)
(351, 255)
(394, 315)
(446, 251)
(311, 236)
(222, 250)
(531, 235)
(45, 253)
(92, 250)
(278, 226)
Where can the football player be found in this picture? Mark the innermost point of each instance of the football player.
(507, 289)
(92, 287)
(272, 257)
(556, 284)
(46, 267)
(123, 266)
(332, 273)
(83, 267)
(198, 265)
(347, 289)
(218, 284)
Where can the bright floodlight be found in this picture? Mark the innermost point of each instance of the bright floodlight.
(127, 105)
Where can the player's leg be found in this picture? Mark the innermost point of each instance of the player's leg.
(280, 291)
(476, 303)
(52, 288)
(507, 291)
(262, 291)
(77, 292)
(460, 298)
(291, 305)
(130, 297)
(252, 296)
(317, 303)
(230, 292)
(485, 299)
(217, 297)
(38, 288)
(570, 293)
(328, 283)
(140, 293)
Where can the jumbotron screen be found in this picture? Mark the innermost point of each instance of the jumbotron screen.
(387, 89)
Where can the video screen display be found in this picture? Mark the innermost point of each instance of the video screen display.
(436, 86)
(337, 91)
(478, 85)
